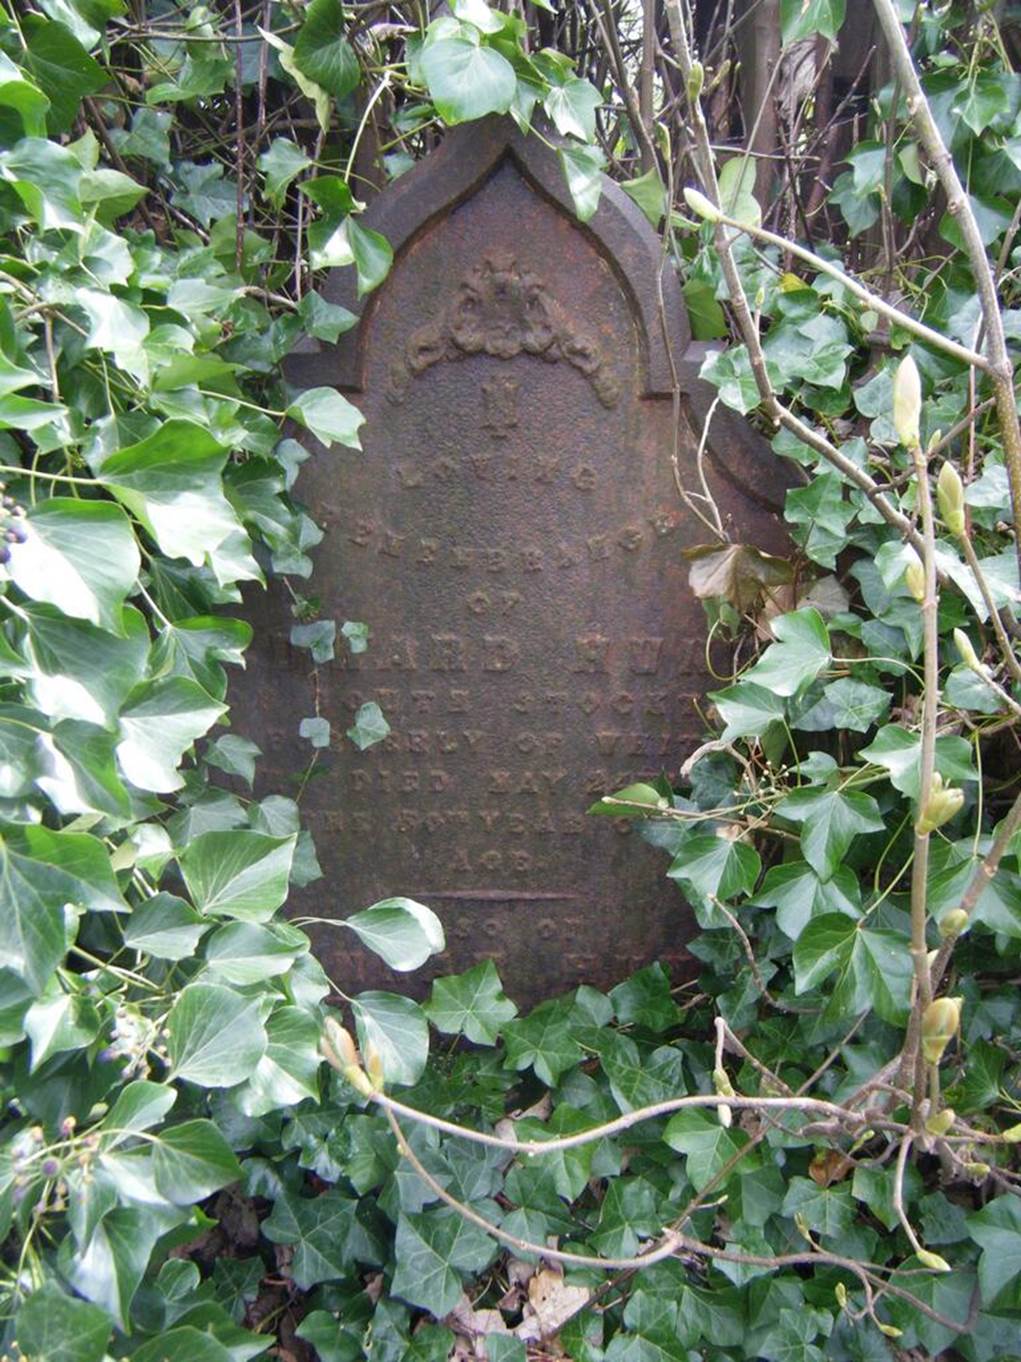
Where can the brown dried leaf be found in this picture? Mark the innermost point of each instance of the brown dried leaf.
(551, 1302)
(737, 573)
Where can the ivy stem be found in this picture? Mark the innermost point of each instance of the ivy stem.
(926, 769)
(20, 472)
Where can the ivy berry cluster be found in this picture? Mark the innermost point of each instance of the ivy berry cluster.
(12, 513)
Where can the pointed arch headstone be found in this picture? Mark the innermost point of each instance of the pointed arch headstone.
(512, 536)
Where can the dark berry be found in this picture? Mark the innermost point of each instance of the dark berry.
(50, 1168)
(17, 534)
(5, 554)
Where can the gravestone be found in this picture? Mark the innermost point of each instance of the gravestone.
(512, 536)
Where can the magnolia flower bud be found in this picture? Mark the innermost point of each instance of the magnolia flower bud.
(932, 1261)
(1012, 1135)
(941, 1122)
(724, 1088)
(953, 923)
(907, 402)
(696, 79)
(977, 1170)
(914, 580)
(339, 1039)
(941, 804)
(840, 1291)
(967, 653)
(374, 1066)
(338, 1049)
(698, 203)
(941, 1021)
(890, 1330)
(950, 495)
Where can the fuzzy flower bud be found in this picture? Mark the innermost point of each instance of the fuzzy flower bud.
(967, 653)
(933, 1261)
(724, 1088)
(953, 923)
(698, 203)
(941, 1122)
(907, 403)
(950, 495)
(696, 79)
(914, 579)
(942, 805)
(941, 1021)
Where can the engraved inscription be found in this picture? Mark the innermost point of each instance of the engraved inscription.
(512, 537)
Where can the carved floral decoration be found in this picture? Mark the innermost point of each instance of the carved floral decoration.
(503, 310)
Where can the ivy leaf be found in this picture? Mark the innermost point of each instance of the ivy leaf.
(328, 1237)
(40, 872)
(800, 653)
(730, 371)
(80, 556)
(846, 704)
(238, 874)
(326, 321)
(805, 18)
(172, 482)
(899, 753)
(166, 927)
(572, 107)
(322, 53)
(60, 1328)
(244, 953)
(191, 1161)
(60, 65)
(583, 171)
(707, 1144)
(798, 895)
(214, 1036)
(288, 1072)
(653, 1331)
(747, 710)
(543, 1040)
(826, 1210)
(372, 254)
(645, 1000)
(716, 867)
(18, 92)
(472, 1004)
(57, 1022)
(45, 178)
(369, 726)
(316, 730)
(397, 1029)
(110, 1268)
(467, 81)
(431, 1251)
(79, 671)
(831, 819)
(158, 724)
(329, 416)
(873, 966)
(280, 164)
(648, 192)
(319, 638)
(402, 932)
(996, 1228)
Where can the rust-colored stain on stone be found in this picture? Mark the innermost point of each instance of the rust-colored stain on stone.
(512, 537)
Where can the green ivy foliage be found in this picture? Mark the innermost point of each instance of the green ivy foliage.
(181, 1178)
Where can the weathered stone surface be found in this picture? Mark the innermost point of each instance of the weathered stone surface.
(512, 536)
